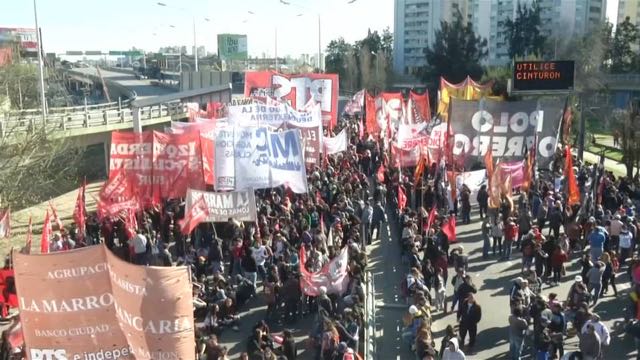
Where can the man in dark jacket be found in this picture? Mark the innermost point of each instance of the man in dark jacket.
(378, 217)
(466, 288)
(483, 200)
(471, 313)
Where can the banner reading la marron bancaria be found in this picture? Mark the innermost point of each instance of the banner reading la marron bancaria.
(239, 205)
(507, 128)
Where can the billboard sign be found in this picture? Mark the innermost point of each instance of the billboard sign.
(25, 36)
(543, 76)
(232, 46)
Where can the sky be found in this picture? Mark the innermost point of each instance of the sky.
(86, 25)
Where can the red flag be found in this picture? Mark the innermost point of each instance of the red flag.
(318, 197)
(194, 216)
(370, 121)
(55, 217)
(421, 105)
(449, 228)
(27, 245)
(46, 234)
(573, 193)
(432, 217)
(361, 129)
(380, 174)
(5, 223)
(402, 198)
(79, 211)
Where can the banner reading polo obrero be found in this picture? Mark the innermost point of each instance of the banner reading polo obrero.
(89, 304)
(510, 127)
(297, 90)
(239, 205)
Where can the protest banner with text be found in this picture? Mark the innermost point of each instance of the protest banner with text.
(297, 90)
(100, 307)
(239, 205)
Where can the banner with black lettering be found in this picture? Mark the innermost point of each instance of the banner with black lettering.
(87, 303)
(239, 205)
(505, 127)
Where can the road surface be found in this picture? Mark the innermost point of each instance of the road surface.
(493, 280)
(143, 88)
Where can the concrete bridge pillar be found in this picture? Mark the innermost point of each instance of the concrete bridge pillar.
(137, 123)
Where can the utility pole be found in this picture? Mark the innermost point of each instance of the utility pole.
(319, 45)
(195, 45)
(40, 65)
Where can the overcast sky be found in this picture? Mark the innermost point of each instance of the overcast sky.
(83, 25)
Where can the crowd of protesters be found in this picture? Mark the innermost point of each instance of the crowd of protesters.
(240, 265)
(600, 234)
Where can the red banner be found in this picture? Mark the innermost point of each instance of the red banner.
(297, 90)
(177, 164)
(131, 155)
(198, 213)
(371, 123)
(421, 106)
(155, 165)
(207, 144)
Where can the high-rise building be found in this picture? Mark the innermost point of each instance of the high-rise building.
(415, 25)
(630, 8)
(417, 21)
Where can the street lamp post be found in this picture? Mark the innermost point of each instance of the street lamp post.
(40, 65)
(377, 66)
(195, 44)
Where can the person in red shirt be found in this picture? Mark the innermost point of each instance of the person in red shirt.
(511, 231)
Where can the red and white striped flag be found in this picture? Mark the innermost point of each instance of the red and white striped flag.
(46, 234)
(79, 212)
(198, 212)
(5, 223)
(55, 216)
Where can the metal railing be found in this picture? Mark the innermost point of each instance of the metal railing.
(370, 317)
(12, 125)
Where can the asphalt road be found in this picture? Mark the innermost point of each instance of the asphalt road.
(142, 87)
(493, 279)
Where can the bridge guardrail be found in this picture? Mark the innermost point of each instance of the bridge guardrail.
(76, 120)
(370, 317)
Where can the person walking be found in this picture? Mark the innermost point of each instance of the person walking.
(452, 351)
(594, 277)
(590, 347)
(510, 236)
(367, 219)
(483, 201)
(518, 326)
(611, 267)
(471, 315)
(379, 216)
(597, 238)
(497, 233)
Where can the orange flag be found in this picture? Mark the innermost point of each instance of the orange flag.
(573, 193)
(419, 169)
(371, 123)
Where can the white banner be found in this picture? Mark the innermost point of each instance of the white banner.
(283, 116)
(336, 144)
(286, 161)
(240, 205)
(411, 136)
(251, 153)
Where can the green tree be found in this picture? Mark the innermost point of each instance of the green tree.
(524, 32)
(455, 53)
(500, 76)
(623, 58)
(336, 57)
(39, 165)
(20, 82)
